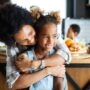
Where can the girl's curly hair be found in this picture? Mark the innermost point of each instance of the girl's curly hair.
(52, 17)
(56, 15)
(36, 12)
(12, 18)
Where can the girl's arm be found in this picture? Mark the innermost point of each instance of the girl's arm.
(26, 80)
(58, 83)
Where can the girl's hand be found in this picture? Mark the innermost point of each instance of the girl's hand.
(58, 71)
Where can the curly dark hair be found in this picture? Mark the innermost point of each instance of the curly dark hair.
(44, 19)
(12, 18)
(75, 28)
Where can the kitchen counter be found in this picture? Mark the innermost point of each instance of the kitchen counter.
(78, 72)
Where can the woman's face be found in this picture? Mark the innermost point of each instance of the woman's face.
(25, 36)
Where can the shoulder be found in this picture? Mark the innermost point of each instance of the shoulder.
(12, 50)
(30, 53)
(53, 51)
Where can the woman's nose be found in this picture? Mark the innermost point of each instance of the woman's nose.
(31, 41)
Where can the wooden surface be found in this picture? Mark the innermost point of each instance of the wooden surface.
(81, 59)
(80, 74)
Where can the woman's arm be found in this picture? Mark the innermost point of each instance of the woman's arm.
(61, 57)
(26, 63)
(26, 80)
(17, 81)
(62, 46)
(54, 60)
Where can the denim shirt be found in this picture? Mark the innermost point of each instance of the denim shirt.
(45, 83)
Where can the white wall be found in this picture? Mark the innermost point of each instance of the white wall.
(47, 5)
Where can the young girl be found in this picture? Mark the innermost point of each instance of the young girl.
(46, 30)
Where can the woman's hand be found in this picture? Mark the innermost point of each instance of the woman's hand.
(58, 71)
(23, 62)
(35, 64)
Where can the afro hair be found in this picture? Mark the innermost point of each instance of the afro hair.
(12, 18)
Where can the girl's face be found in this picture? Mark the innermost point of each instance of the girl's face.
(47, 37)
(25, 36)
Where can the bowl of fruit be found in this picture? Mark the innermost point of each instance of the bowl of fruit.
(75, 47)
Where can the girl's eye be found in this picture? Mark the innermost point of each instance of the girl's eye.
(55, 36)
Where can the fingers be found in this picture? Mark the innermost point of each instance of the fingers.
(62, 73)
(18, 65)
(22, 56)
(58, 71)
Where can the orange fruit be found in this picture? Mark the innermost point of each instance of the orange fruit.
(68, 42)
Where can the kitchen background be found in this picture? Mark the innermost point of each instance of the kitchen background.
(72, 11)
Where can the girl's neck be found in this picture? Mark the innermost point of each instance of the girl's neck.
(40, 53)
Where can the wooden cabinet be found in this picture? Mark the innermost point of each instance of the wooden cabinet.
(78, 73)
(78, 9)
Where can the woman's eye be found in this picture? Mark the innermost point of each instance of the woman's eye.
(45, 36)
(24, 41)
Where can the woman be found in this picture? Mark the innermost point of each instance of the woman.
(17, 31)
